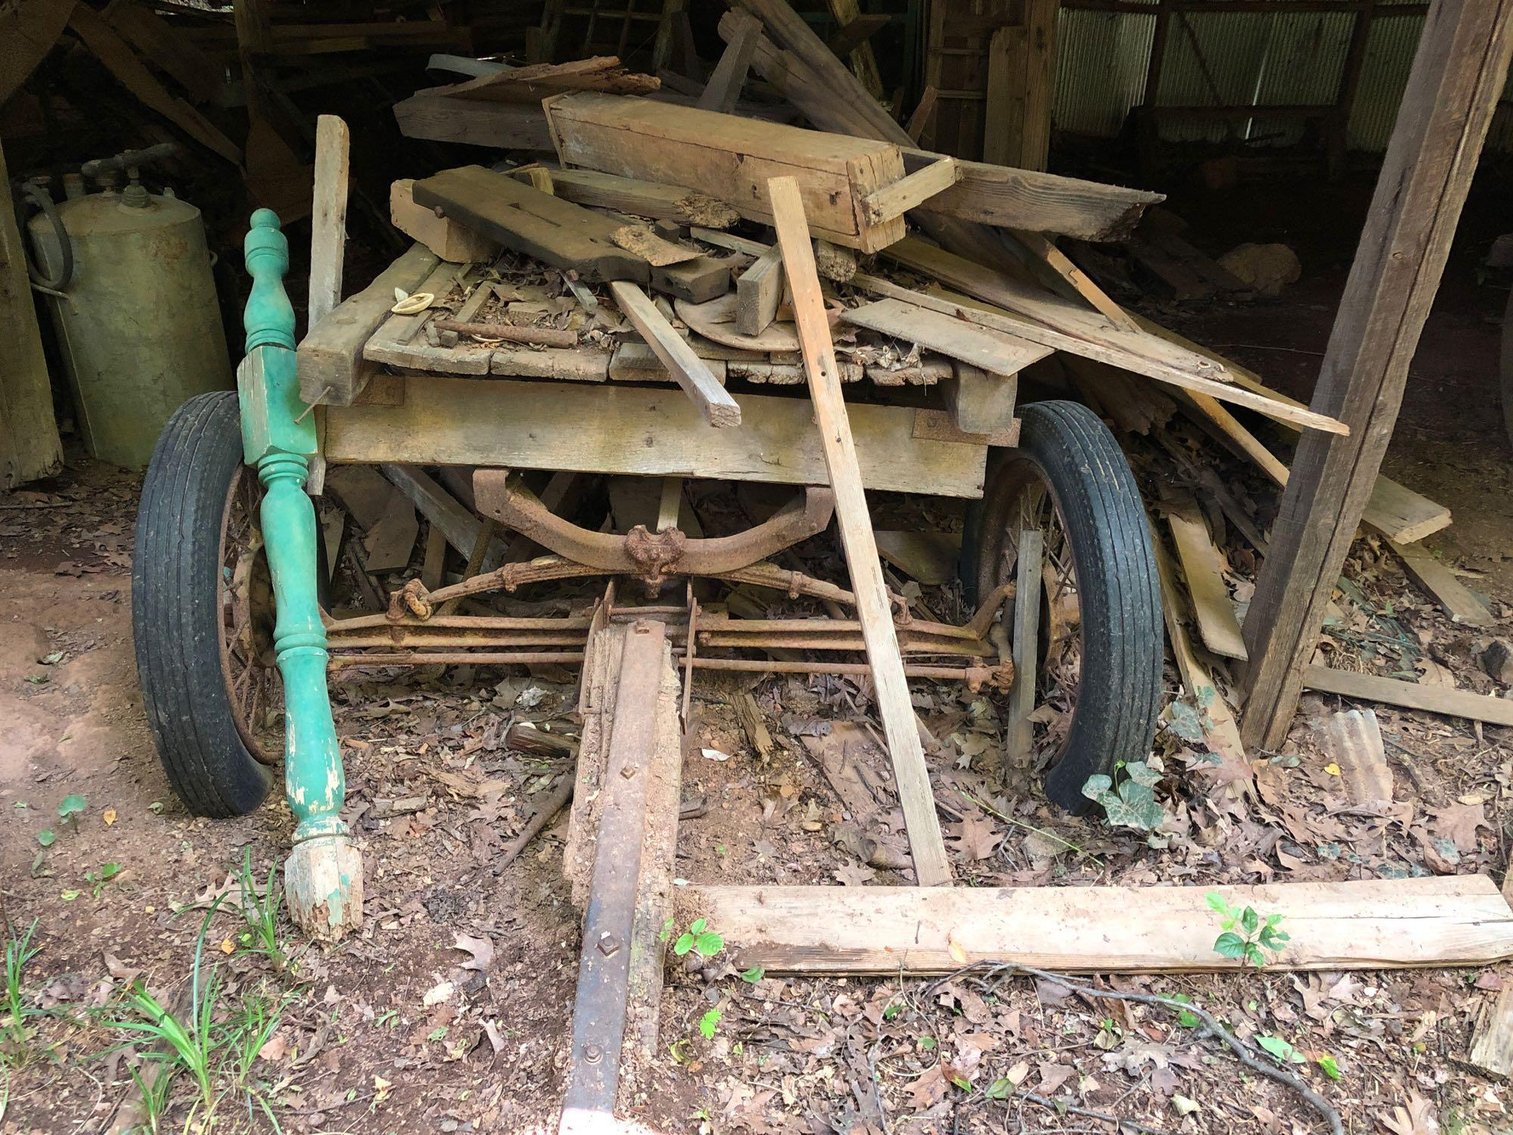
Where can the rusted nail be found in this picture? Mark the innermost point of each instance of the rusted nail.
(609, 945)
(593, 1053)
(642, 627)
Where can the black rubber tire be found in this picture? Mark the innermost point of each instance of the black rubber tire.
(176, 612)
(1067, 447)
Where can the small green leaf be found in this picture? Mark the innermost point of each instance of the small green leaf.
(708, 944)
(1328, 1065)
(1000, 1089)
(756, 973)
(1250, 920)
(1216, 902)
(1183, 720)
(1096, 786)
(437, 1033)
(927, 1043)
(1188, 1019)
(708, 1023)
(1230, 945)
(109, 871)
(69, 896)
(1281, 1049)
(698, 926)
(72, 805)
(666, 930)
(961, 1081)
(1142, 774)
(683, 944)
(47, 837)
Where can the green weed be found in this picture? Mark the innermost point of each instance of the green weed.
(16, 1034)
(1246, 934)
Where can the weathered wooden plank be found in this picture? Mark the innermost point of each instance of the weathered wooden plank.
(758, 292)
(1371, 924)
(981, 402)
(729, 74)
(1026, 639)
(890, 686)
(1215, 614)
(328, 220)
(1459, 70)
(716, 406)
(993, 351)
(1410, 695)
(437, 117)
(331, 353)
(641, 431)
(1425, 569)
(27, 33)
(1492, 1042)
(732, 158)
(524, 219)
(643, 198)
(449, 240)
(912, 191)
(1220, 730)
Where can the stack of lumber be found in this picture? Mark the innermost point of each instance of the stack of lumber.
(939, 271)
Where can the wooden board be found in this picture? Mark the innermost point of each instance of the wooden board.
(448, 240)
(524, 219)
(1492, 1043)
(1439, 581)
(1209, 597)
(642, 198)
(1401, 514)
(1111, 347)
(528, 425)
(436, 117)
(873, 609)
(981, 402)
(993, 351)
(1410, 695)
(163, 43)
(1019, 729)
(732, 158)
(759, 291)
(703, 389)
(1220, 729)
(27, 34)
(328, 218)
(1373, 924)
(331, 368)
(717, 322)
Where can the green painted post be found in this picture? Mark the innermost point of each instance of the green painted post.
(323, 880)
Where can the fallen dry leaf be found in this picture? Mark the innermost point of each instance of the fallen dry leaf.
(1458, 823)
(276, 1048)
(977, 837)
(438, 993)
(481, 949)
(1417, 1118)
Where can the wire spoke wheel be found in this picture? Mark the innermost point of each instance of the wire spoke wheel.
(248, 661)
(1098, 653)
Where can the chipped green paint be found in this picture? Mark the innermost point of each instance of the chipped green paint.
(324, 871)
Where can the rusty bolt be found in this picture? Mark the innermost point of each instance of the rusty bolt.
(629, 771)
(593, 1053)
(609, 945)
(642, 627)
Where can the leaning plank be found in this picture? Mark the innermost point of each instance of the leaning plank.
(891, 688)
(524, 219)
(1371, 924)
(1401, 514)
(912, 191)
(440, 507)
(1020, 730)
(436, 117)
(647, 432)
(330, 355)
(1439, 581)
(119, 59)
(732, 158)
(993, 351)
(729, 74)
(1214, 613)
(716, 405)
(1220, 730)
(1411, 695)
(328, 220)
(979, 401)
(27, 34)
(1114, 347)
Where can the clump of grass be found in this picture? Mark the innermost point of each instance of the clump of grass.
(15, 1030)
(261, 912)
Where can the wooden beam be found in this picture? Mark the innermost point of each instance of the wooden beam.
(1020, 729)
(163, 43)
(29, 443)
(1425, 569)
(912, 191)
(891, 688)
(1458, 73)
(643, 198)
(1373, 924)
(855, 30)
(447, 239)
(328, 222)
(731, 158)
(1212, 609)
(1410, 695)
(441, 508)
(27, 33)
(436, 117)
(331, 366)
(638, 430)
(980, 401)
(729, 74)
(716, 405)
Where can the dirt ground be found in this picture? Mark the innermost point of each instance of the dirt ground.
(449, 1011)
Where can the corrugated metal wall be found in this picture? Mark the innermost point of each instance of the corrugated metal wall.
(1248, 58)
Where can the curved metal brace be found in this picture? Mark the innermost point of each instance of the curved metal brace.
(643, 553)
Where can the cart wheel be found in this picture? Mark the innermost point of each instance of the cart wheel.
(202, 614)
(1100, 652)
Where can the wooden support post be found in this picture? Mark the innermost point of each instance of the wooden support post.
(1458, 73)
(29, 444)
(891, 688)
(729, 76)
(328, 222)
(1021, 731)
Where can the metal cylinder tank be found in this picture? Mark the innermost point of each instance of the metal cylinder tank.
(137, 321)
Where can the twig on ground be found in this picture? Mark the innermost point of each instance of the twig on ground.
(1242, 1052)
(554, 804)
